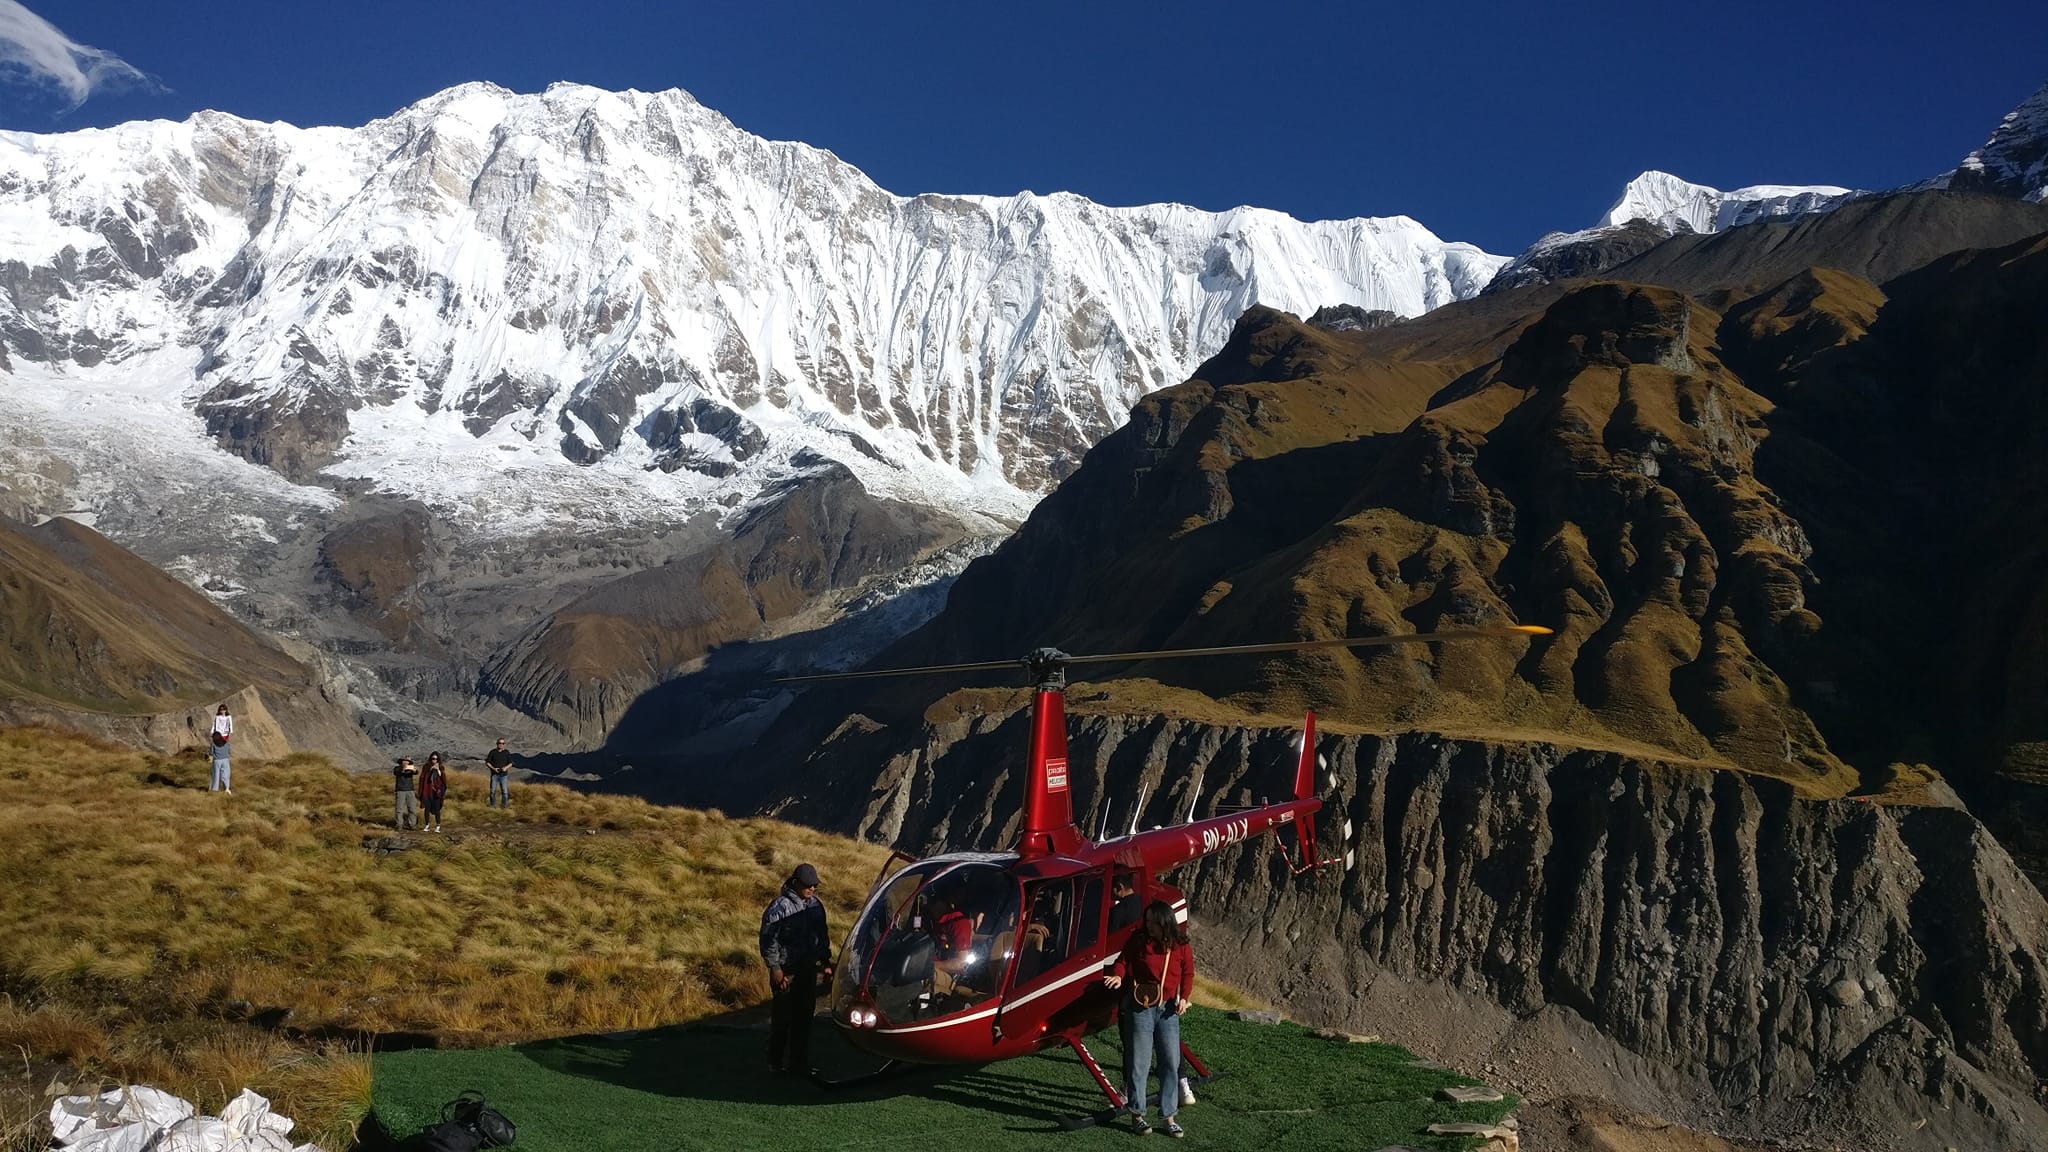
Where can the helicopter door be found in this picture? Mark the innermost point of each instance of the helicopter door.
(1045, 940)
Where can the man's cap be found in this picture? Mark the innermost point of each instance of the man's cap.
(805, 876)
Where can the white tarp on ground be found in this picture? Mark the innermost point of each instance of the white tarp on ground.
(143, 1119)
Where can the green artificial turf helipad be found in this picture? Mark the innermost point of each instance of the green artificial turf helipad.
(706, 1087)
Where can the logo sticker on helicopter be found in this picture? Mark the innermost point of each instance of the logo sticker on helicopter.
(1055, 773)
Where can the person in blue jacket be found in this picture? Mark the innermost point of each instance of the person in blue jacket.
(798, 952)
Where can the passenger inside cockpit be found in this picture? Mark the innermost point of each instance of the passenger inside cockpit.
(953, 940)
(1045, 935)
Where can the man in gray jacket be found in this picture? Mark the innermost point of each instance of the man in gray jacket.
(798, 952)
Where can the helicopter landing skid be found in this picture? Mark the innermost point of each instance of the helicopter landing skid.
(1106, 1116)
(1116, 1099)
(888, 1068)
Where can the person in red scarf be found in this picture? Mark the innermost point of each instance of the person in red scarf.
(1157, 973)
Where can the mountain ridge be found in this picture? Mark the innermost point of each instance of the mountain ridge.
(331, 287)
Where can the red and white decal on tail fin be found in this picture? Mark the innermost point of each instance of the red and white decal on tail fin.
(1056, 774)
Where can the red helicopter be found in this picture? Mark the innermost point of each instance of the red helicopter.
(973, 957)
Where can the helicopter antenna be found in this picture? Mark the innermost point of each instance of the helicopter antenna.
(1102, 821)
(1137, 810)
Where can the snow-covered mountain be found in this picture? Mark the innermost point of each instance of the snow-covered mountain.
(1653, 207)
(1677, 205)
(2014, 162)
(515, 307)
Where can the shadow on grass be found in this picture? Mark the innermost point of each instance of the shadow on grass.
(724, 1060)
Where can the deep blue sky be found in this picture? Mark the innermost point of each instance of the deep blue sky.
(1490, 123)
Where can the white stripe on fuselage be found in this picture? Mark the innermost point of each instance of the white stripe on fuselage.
(946, 1023)
(1078, 974)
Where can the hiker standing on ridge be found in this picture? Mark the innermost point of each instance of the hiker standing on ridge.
(798, 952)
(223, 731)
(405, 800)
(433, 790)
(499, 762)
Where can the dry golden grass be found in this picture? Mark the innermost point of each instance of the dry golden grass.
(1215, 994)
(157, 932)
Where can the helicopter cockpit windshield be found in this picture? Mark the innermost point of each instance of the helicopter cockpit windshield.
(937, 939)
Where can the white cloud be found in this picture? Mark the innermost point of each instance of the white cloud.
(32, 48)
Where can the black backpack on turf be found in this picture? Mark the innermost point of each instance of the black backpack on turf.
(468, 1124)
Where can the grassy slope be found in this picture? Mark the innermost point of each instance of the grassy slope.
(154, 932)
(86, 624)
(1282, 1088)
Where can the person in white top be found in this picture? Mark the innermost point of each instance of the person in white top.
(223, 731)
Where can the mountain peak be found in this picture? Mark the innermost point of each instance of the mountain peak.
(2014, 162)
(1679, 205)
(1662, 198)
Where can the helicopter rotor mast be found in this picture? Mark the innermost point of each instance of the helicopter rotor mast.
(1048, 825)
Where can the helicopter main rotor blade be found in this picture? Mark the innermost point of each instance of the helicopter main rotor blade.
(1305, 645)
(1176, 653)
(928, 669)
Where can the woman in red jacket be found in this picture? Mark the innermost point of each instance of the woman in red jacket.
(1157, 971)
(433, 791)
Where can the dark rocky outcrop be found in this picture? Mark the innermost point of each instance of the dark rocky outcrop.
(298, 435)
(1351, 318)
(665, 429)
(1578, 255)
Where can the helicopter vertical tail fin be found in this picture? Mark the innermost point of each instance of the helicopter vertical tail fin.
(1312, 780)
(1305, 789)
(1305, 762)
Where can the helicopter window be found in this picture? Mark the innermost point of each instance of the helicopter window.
(1088, 928)
(939, 945)
(863, 942)
(1045, 937)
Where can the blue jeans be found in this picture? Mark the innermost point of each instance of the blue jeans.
(1145, 1029)
(222, 777)
(501, 790)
